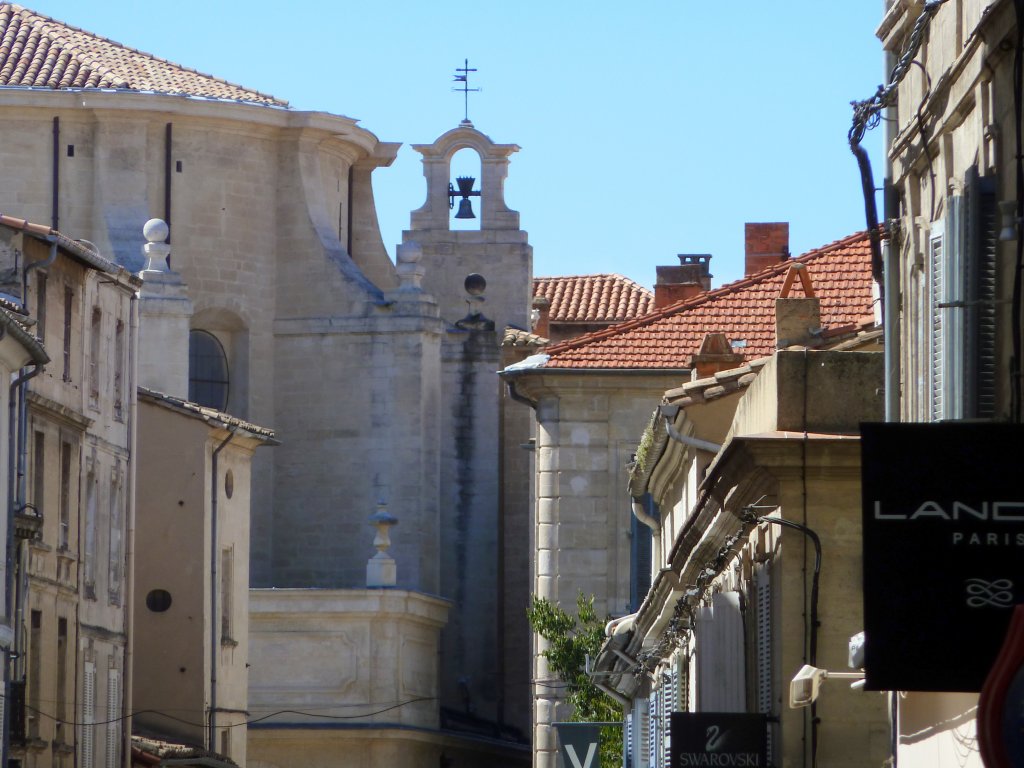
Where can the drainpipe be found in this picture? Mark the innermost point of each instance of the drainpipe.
(890, 262)
(15, 551)
(669, 412)
(214, 618)
(55, 189)
(17, 425)
(129, 547)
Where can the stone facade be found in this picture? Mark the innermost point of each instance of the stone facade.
(726, 623)
(74, 504)
(375, 389)
(585, 436)
(191, 626)
(955, 208)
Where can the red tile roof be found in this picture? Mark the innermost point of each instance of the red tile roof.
(743, 310)
(593, 298)
(40, 52)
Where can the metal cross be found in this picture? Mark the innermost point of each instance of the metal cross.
(462, 76)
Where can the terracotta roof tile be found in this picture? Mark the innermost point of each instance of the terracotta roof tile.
(39, 52)
(593, 298)
(743, 310)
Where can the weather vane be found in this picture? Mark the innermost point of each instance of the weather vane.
(462, 76)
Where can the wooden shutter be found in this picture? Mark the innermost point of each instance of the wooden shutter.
(642, 733)
(763, 613)
(113, 745)
(936, 346)
(981, 238)
(88, 714)
(654, 728)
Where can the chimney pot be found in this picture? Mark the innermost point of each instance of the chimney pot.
(541, 305)
(691, 278)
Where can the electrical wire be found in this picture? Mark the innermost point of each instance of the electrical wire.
(247, 721)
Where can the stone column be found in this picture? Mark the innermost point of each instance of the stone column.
(545, 578)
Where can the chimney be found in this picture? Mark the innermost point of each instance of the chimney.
(797, 320)
(540, 315)
(691, 278)
(766, 244)
(716, 354)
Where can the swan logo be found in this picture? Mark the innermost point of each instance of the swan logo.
(716, 738)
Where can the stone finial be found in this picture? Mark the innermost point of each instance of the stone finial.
(156, 250)
(410, 273)
(380, 569)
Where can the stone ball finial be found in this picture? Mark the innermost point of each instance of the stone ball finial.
(155, 230)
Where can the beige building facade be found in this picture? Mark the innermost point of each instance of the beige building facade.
(749, 473)
(191, 656)
(377, 381)
(72, 504)
(954, 206)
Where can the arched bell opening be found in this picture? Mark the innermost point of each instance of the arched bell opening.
(464, 190)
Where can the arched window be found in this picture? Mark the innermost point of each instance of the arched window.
(207, 371)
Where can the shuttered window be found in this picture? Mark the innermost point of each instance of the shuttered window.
(721, 655)
(88, 715)
(765, 672)
(671, 699)
(641, 555)
(653, 728)
(962, 305)
(642, 733)
(113, 726)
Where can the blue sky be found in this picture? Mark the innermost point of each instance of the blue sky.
(647, 129)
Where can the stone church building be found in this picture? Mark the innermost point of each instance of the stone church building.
(378, 378)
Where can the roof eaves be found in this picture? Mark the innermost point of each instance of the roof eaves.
(210, 415)
(27, 340)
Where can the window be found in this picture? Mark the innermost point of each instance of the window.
(95, 335)
(61, 708)
(38, 470)
(88, 714)
(41, 305)
(762, 594)
(227, 557)
(113, 727)
(69, 302)
(64, 535)
(207, 371)
(89, 556)
(641, 542)
(119, 370)
(962, 304)
(115, 566)
(35, 673)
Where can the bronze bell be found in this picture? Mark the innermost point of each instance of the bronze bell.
(465, 209)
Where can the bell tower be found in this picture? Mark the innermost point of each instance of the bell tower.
(499, 250)
(482, 281)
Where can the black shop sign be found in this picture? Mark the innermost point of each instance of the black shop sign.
(943, 537)
(718, 739)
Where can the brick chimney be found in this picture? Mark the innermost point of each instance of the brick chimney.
(766, 244)
(716, 354)
(540, 317)
(691, 278)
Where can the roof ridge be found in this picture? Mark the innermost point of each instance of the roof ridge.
(702, 298)
(51, 29)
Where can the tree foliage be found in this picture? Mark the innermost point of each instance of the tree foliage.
(570, 640)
